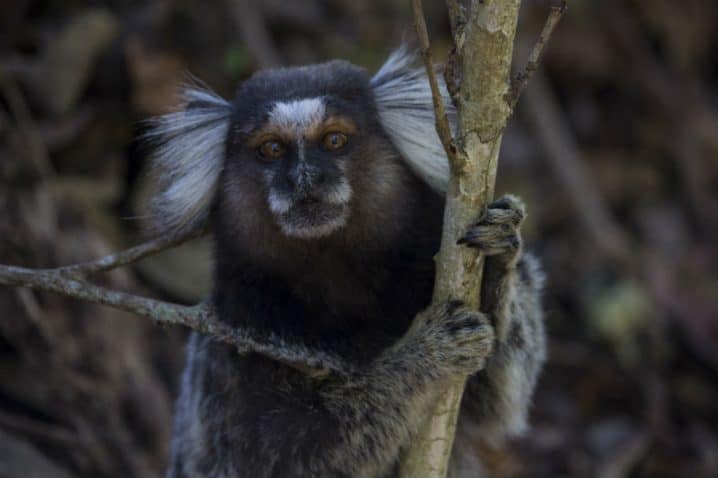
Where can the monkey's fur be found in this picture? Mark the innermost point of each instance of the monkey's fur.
(325, 254)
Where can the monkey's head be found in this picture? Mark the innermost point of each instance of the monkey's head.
(299, 139)
(308, 151)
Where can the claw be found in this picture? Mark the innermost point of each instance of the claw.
(496, 232)
(502, 203)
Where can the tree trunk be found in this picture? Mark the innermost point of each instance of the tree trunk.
(484, 48)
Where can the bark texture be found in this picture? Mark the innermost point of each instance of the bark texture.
(484, 48)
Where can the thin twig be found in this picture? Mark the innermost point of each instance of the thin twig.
(197, 317)
(442, 121)
(202, 318)
(521, 80)
(133, 254)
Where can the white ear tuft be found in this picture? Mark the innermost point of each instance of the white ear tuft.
(406, 112)
(190, 150)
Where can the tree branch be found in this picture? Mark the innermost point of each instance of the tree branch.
(521, 80)
(55, 280)
(68, 281)
(134, 254)
(442, 121)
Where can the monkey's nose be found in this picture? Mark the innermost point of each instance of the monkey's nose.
(303, 180)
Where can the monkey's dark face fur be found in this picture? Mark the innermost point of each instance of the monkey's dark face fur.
(305, 152)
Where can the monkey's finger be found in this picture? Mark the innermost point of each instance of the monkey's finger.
(507, 210)
(492, 240)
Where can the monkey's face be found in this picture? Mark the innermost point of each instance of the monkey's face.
(303, 150)
(300, 135)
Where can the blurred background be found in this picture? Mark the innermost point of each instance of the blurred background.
(614, 147)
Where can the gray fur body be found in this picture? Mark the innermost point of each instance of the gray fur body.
(324, 254)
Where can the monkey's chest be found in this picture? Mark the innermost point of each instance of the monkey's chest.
(362, 310)
(341, 291)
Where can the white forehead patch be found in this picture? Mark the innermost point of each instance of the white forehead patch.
(298, 116)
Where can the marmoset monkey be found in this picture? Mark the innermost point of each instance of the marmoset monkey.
(324, 189)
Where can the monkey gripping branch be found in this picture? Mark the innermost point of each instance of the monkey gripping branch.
(478, 79)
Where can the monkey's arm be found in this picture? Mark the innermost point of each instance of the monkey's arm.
(498, 397)
(377, 410)
(351, 426)
(314, 362)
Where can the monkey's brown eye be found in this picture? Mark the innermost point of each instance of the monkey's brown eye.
(272, 149)
(334, 141)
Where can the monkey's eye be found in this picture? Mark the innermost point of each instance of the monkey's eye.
(272, 149)
(334, 141)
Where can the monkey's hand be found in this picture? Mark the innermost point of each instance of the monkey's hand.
(497, 231)
(497, 398)
(455, 340)
(498, 235)
(447, 340)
